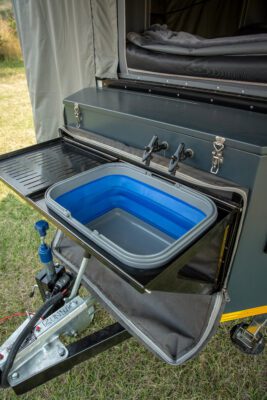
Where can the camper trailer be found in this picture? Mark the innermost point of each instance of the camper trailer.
(151, 161)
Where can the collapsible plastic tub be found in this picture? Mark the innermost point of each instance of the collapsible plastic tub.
(140, 219)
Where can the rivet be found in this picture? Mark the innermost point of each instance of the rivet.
(61, 351)
(15, 375)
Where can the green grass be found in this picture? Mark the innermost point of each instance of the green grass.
(127, 371)
(10, 68)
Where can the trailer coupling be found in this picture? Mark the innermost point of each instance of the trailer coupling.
(43, 354)
(38, 351)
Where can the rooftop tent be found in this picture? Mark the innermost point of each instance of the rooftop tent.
(65, 44)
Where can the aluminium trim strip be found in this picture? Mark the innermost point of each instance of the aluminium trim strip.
(251, 89)
(194, 78)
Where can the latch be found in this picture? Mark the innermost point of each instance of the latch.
(78, 115)
(217, 154)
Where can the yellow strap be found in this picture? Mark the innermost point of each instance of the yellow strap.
(249, 312)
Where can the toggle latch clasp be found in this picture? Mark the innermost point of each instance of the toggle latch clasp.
(217, 154)
(77, 114)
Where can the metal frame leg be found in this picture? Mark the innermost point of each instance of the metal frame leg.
(84, 264)
(257, 324)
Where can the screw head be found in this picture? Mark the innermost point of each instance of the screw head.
(74, 303)
(61, 351)
(15, 375)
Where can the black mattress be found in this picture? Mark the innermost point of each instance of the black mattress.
(250, 68)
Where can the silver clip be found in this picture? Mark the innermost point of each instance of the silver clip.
(78, 115)
(217, 154)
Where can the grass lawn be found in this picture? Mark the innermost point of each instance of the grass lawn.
(127, 371)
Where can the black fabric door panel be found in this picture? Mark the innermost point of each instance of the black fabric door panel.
(171, 325)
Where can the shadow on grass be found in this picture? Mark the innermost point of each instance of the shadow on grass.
(127, 371)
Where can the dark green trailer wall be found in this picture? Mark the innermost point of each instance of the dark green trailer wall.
(133, 118)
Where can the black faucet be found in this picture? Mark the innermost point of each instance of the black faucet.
(180, 155)
(153, 147)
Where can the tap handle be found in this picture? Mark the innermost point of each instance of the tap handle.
(149, 149)
(41, 226)
(173, 164)
(180, 152)
(153, 143)
(180, 155)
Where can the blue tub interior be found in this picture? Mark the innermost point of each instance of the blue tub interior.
(170, 215)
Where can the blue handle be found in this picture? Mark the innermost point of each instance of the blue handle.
(45, 253)
(41, 226)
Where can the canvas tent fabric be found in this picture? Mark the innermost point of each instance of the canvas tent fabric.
(65, 45)
(209, 18)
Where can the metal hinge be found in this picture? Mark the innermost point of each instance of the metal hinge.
(217, 154)
(78, 115)
(226, 295)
